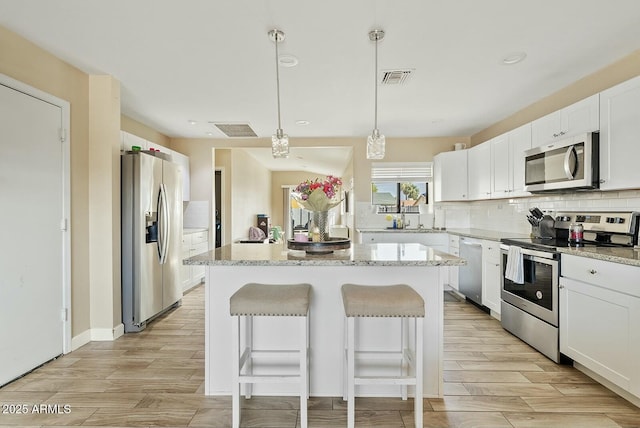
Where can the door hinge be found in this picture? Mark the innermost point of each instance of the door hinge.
(63, 225)
(62, 133)
(65, 315)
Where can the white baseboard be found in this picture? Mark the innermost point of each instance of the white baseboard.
(80, 340)
(97, 334)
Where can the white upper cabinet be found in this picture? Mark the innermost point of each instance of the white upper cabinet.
(619, 134)
(583, 116)
(129, 140)
(501, 167)
(480, 171)
(450, 176)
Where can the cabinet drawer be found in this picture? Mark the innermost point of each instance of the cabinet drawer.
(491, 250)
(613, 276)
(198, 238)
(200, 248)
(434, 239)
(454, 241)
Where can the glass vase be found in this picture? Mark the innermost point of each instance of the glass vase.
(320, 220)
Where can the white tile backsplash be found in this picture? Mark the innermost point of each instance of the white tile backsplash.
(509, 215)
(196, 214)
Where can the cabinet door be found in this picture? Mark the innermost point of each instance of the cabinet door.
(480, 171)
(599, 329)
(619, 131)
(583, 116)
(519, 141)
(454, 248)
(450, 176)
(491, 275)
(183, 164)
(501, 167)
(580, 117)
(546, 129)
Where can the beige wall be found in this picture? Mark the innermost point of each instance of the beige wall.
(250, 193)
(609, 76)
(134, 127)
(28, 63)
(104, 206)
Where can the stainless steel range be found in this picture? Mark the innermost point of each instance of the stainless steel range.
(530, 299)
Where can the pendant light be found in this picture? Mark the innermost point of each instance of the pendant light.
(279, 140)
(375, 141)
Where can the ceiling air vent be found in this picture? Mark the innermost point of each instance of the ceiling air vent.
(235, 130)
(395, 77)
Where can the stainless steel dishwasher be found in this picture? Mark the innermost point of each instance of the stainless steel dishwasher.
(470, 276)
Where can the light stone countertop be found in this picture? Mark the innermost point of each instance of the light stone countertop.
(491, 235)
(382, 254)
(626, 256)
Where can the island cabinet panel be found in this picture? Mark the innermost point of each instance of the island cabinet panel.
(327, 314)
(599, 319)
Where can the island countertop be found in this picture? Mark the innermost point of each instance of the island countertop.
(379, 254)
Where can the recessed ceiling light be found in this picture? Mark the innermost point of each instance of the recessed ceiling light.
(513, 58)
(302, 122)
(287, 60)
(192, 122)
(209, 134)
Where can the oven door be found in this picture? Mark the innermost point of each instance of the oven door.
(538, 295)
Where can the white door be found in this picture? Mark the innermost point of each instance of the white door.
(31, 241)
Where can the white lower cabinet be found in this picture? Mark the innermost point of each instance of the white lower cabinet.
(193, 243)
(599, 319)
(454, 248)
(491, 276)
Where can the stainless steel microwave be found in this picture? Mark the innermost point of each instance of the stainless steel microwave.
(568, 164)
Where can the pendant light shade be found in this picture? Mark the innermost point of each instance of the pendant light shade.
(279, 140)
(376, 141)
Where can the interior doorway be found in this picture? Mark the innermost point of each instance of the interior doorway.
(217, 220)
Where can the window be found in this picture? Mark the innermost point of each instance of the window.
(400, 187)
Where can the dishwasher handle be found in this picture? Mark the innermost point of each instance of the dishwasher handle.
(473, 244)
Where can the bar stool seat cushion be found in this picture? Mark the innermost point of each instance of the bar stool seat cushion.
(271, 300)
(381, 301)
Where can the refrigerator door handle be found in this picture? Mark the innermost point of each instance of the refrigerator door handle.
(164, 220)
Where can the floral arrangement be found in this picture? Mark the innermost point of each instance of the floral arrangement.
(316, 195)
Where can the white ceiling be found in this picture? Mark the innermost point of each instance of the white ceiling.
(212, 61)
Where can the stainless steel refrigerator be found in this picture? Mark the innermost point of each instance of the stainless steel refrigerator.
(151, 237)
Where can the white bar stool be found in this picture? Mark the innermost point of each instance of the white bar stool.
(397, 301)
(269, 300)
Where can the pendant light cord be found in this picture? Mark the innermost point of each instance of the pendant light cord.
(278, 83)
(375, 114)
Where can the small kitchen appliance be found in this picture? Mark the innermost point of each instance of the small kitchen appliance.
(564, 165)
(530, 309)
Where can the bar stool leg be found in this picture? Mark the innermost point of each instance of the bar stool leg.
(351, 344)
(419, 359)
(403, 350)
(345, 362)
(249, 347)
(304, 385)
(235, 387)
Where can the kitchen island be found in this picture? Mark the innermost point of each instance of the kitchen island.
(232, 266)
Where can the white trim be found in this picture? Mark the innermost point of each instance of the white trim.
(66, 196)
(81, 340)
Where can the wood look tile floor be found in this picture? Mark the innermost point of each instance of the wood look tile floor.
(155, 378)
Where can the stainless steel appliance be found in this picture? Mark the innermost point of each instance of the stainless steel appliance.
(568, 164)
(151, 192)
(530, 309)
(470, 276)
